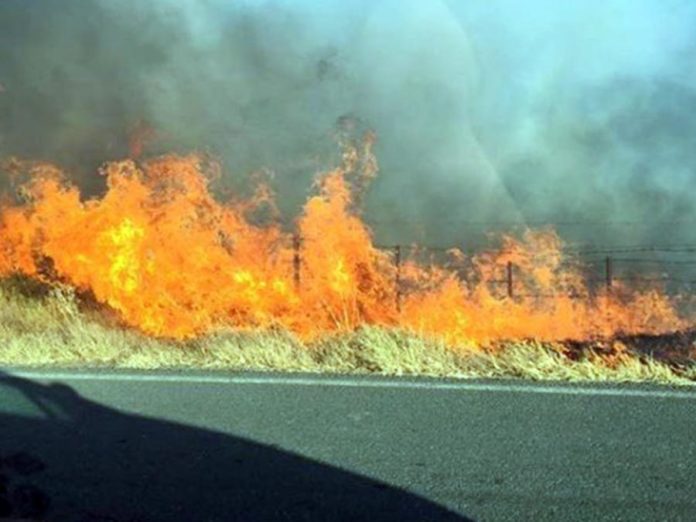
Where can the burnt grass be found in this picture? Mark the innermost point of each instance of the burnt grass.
(676, 349)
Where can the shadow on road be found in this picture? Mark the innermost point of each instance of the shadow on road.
(65, 458)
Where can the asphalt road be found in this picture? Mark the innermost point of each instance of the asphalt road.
(151, 447)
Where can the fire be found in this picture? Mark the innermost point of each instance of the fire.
(173, 261)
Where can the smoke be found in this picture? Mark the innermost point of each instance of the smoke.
(488, 114)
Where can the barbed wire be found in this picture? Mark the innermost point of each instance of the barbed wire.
(533, 222)
(639, 261)
(691, 249)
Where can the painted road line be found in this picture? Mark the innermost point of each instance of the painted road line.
(347, 382)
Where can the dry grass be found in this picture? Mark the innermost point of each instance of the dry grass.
(47, 327)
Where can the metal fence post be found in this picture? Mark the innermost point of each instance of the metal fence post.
(510, 287)
(296, 260)
(609, 273)
(397, 280)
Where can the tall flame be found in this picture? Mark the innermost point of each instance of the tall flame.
(173, 261)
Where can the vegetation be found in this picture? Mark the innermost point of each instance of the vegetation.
(51, 326)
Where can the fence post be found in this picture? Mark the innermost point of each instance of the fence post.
(296, 260)
(609, 273)
(510, 287)
(397, 281)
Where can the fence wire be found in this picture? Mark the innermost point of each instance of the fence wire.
(613, 271)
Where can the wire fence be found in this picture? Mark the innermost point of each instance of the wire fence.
(671, 269)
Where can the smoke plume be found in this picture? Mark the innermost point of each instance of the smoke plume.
(489, 115)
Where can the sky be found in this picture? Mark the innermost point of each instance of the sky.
(489, 115)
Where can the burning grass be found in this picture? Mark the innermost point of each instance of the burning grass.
(42, 326)
(172, 261)
(157, 272)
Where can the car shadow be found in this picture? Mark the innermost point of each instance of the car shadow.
(66, 458)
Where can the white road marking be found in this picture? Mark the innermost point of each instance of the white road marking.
(347, 382)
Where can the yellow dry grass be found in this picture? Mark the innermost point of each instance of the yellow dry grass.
(47, 327)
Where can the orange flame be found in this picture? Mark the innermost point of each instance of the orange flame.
(173, 261)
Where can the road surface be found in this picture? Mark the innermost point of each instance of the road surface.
(197, 446)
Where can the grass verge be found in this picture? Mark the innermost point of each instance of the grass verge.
(47, 327)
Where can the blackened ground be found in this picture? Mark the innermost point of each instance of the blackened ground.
(677, 349)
